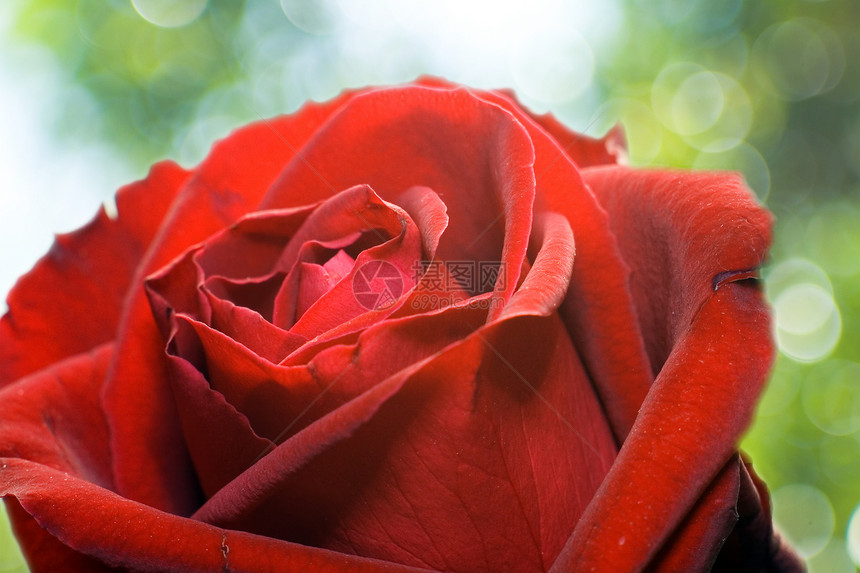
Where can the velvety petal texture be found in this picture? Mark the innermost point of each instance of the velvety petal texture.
(413, 328)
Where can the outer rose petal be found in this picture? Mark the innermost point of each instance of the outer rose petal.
(54, 418)
(679, 232)
(121, 533)
(583, 150)
(700, 537)
(145, 432)
(677, 445)
(423, 467)
(754, 545)
(685, 236)
(72, 299)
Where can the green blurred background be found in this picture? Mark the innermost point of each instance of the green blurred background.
(770, 88)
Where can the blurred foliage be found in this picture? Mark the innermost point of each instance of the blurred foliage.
(767, 87)
(146, 81)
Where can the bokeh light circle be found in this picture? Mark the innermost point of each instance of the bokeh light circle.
(852, 537)
(794, 271)
(803, 514)
(318, 17)
(666, 94)
(170, 13)
(732, 124)
(807, 319)
(793, 61)
(697, 104)
(808, 322)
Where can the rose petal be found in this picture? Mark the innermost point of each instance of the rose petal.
(144, 425)
(545, 284)
(489, 430)
(358, 209)
(699, 539)
(285, 300)
(598, 308)
(43, 551)
(281, 400)
(430, 214)
(583, 150)
(123, 533)
(679, 231)
(722, 359)
(71, 302)
(754, 545)
(313, 284)
(54, 417)
(475, 155)
(220, 439)
(252, 246)
(251, 330)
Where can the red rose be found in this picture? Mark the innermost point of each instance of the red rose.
(357, 338)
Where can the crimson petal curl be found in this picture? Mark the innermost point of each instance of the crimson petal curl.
(475, 155)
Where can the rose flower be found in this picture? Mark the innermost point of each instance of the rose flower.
(413, 328)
